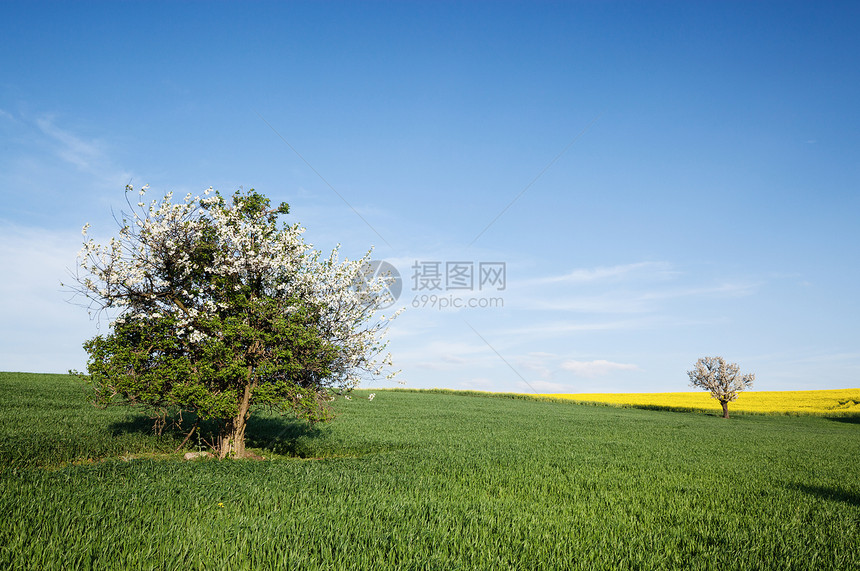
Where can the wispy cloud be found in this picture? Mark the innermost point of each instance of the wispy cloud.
(638, 270)
(598, 368)
(90, 156)
(733, 289)
(635, 288)
(557, 328)
(622, 302)
(71, 148)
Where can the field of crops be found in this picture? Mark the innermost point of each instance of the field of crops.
(828, 402)
(423, 480)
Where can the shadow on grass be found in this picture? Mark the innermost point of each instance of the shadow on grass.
(137, 424)
(847, 419)
(283, 436)
(651, 407)
(828, 493)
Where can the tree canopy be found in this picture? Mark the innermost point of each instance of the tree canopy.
(722, 379)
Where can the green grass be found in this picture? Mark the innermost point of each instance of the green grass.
(416, 480)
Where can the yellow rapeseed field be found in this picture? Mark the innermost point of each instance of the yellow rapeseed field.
(840, 401)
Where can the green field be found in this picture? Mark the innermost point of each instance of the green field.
(423, 480)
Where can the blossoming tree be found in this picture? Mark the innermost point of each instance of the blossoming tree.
(220, 308)
(722, 379)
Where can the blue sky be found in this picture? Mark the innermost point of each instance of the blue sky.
(662, 180)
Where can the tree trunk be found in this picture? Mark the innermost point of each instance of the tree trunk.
(725, 404)
(232, 439)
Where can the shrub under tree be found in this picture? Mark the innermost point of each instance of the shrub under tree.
(220, 308)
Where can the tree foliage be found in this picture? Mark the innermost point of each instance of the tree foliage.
(221, 308)
(722, 379)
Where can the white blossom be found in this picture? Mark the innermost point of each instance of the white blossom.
(128, 274)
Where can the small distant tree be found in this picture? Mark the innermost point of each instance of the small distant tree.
(722, 379)
(221, 308)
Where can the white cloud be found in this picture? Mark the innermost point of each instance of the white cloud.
(537, 365)
(479, 384)
(542, 387)
(598, 368)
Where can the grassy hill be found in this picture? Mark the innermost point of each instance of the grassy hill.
(414, 480)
